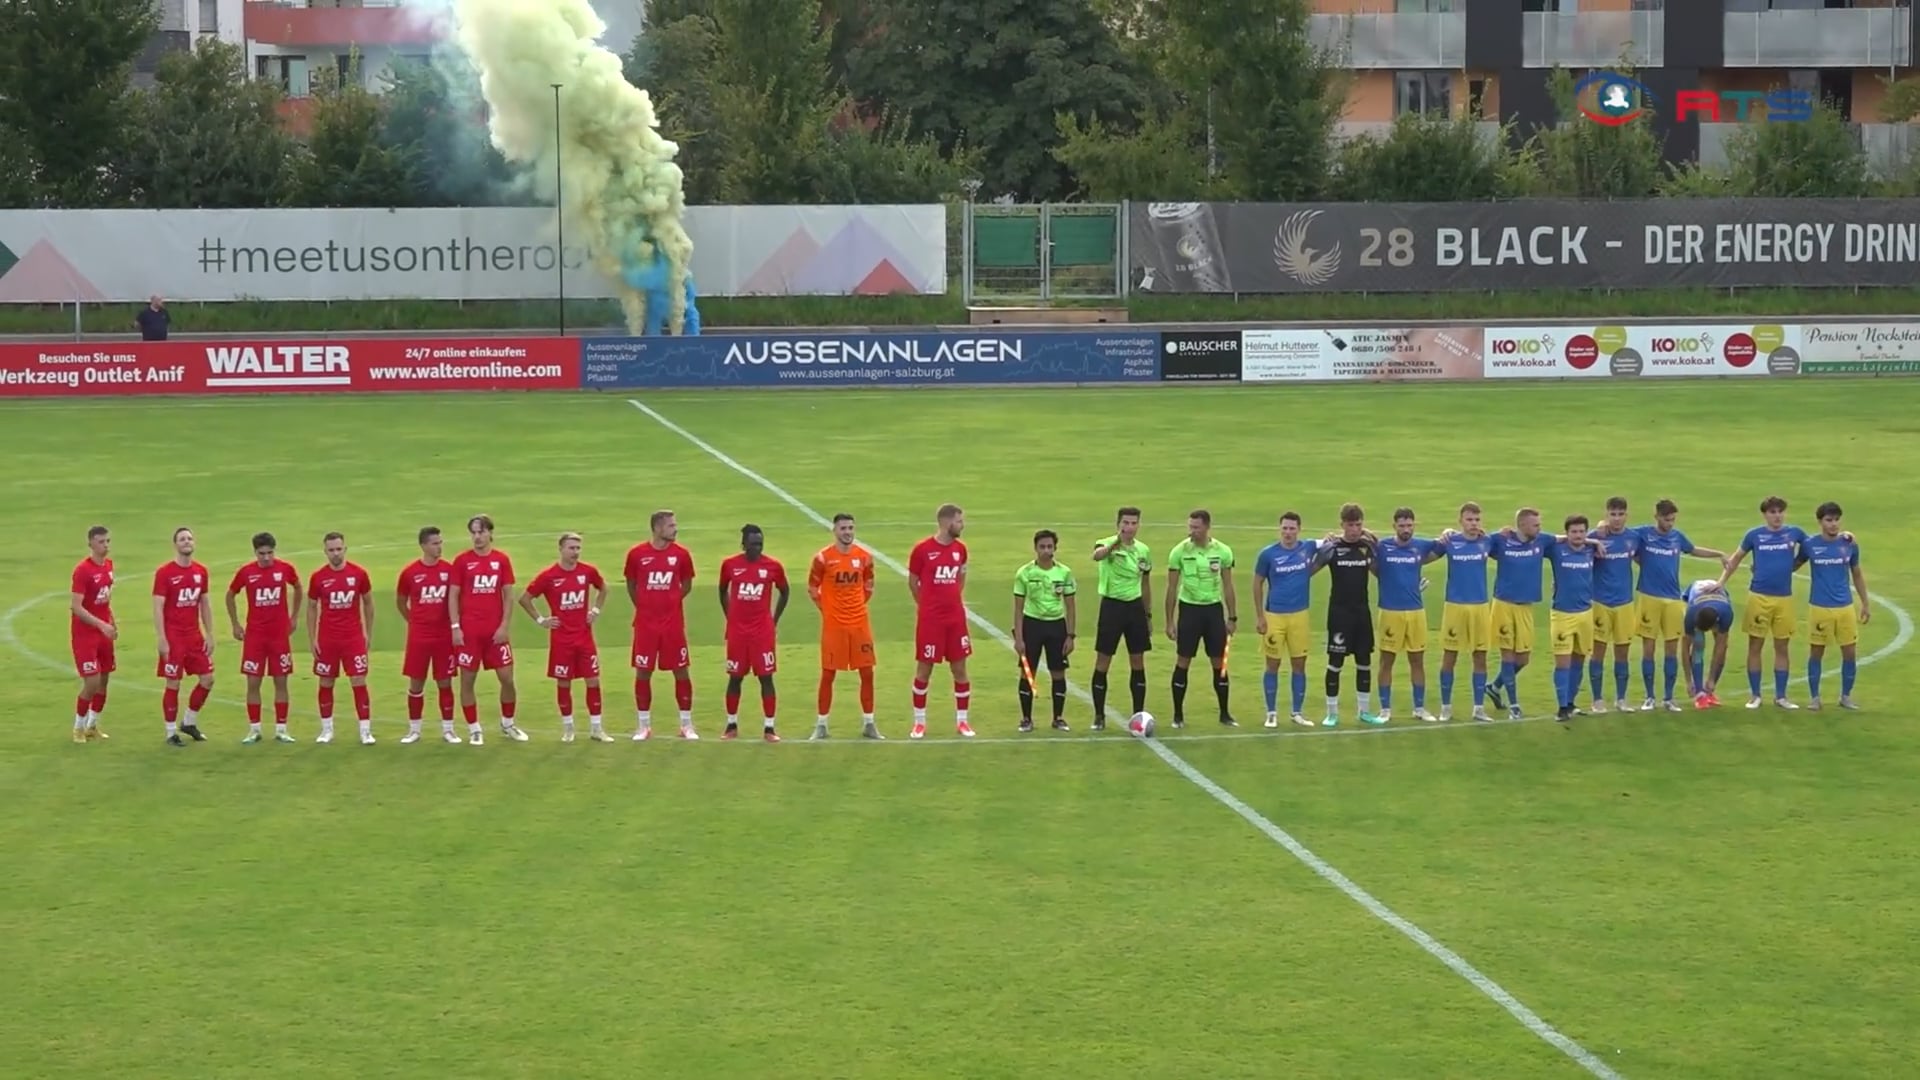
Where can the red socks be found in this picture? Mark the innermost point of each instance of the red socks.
(362, 704)
(866, 691)
(733, 704)
(280, 713)
(962, 693)
(643, 694)
(253, 713)
(683, 694)
(564, 696)
(594, 701)
(471, 713)
(920, 694)
(170, 705)
(326, 703)
(416, 705)
(506, 710)
(446, 703)
(767, 702)
(197, 700)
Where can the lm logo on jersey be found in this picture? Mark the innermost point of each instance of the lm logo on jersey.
(571, 601)
(188, 597)
(660, 580)
(267, 596)
(750, 590)
(433, 594)
(341, 601)
(947, 574)
(486, 583)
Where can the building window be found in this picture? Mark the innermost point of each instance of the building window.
(1423, 93)
(1542, 5)
(289, 72)
(1422, 7)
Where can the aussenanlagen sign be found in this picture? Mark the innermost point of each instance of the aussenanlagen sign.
(1424, 247)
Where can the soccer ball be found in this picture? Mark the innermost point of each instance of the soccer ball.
(1141, 724)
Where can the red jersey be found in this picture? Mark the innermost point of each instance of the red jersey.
(94, 582)
(750, 589)
(180, 589)
(660, 576)
(339, 593)
(482, 581)
(569, 593)
(269, 606)
(425, 588)
(941, 570)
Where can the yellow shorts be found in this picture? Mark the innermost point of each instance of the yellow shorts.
(1572, 634)
(1768, 617)
(1662, 620)
(1833, 626)
(1466, 627)
(1613, 625)
(1513, 626)
(1403, 631)
(1286, 637)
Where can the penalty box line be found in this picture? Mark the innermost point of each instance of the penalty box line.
(1447, 957)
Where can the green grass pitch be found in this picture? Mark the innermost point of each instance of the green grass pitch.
(1727, 894)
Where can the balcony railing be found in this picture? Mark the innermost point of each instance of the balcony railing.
(1889, 147)
(1593, 38)
(1423, 39)
(1344, 130)
(1828, 37)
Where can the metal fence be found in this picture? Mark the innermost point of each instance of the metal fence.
(1037, 253)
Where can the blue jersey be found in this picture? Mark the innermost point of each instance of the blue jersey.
(1773, 552)
(1830, 565)
(1285, 570)
(1518, 565)
(1659, 559)
(1701, 598)
(1467, 569)
(1572, 576)
(1398, 566)
(1613, 566)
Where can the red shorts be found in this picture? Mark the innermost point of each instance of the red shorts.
(660, 646)
(574, 659)
(186, 657)
(261, 657)
(481, 652)
(92, 654)
(428, 658)
(752, 651)
(942, 641)
(340, 659)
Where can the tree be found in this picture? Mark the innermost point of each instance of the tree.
(1818, 159)
(208, 136)
(435, 111)
(1162, 158)
(64, 67)
(1580, 159)
(349, 160)
(996, 74)
(673, 61)
(1422, 160)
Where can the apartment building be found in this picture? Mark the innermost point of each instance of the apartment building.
(1491, 60)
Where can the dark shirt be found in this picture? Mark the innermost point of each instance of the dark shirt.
(1349, 565)
(153, 324)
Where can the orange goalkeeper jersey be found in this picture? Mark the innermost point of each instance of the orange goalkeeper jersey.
(845, 581)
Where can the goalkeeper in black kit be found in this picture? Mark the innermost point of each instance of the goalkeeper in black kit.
(1348, 557)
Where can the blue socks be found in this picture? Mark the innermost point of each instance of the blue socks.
(1813, 676)
(1299, 691)
(1780, 683)
(1419, 696)
(1566, 683)
(1446, 687)
(1646, 673)
(1671, 671)
(1270, 682)
(1699, 672)
(1386, 697)
(1848, 668)
(1753, 681)
(1479, 689)
(1596, 675)
(1622, 676)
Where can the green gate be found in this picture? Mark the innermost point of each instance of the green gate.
(1039, 253)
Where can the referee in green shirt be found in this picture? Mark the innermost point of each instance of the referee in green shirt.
(1202, 609)
(1043, 620)
(1126, 610)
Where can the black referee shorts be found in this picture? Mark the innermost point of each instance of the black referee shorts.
(1198, 625)
(1045, 638)
(1122, 620)
(1350, 632)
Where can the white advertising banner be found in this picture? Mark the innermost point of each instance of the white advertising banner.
(1858, 348)
(1371, 353)
(1576, 351)
(462, 253)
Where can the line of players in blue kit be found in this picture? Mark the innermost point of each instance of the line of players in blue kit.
(1596, 605)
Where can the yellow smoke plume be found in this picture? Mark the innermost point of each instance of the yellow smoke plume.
(622, 186)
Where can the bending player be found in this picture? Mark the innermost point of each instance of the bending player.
(571, 652)
(93, 632)
(483, 595)
(840, 583)
(937, 581)
(1044, 615)
(659, 575)
(339, 626)
(272, 588)
(421, 593)
(183, 625)
(1709, 610)
(747, 584)
(1662, 609)
(1834, 560)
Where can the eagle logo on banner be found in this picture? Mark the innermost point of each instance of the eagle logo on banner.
(1298, 261)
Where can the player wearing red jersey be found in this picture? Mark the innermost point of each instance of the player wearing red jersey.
(659, 576)
(571, 652)
(937, 579)
(482, 597)
(339, 626)
(421, 595)
(93, 632)
(840, 583)
(748, 582)
(183, 625)
(272, 588)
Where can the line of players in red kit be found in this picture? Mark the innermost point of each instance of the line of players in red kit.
(456, 612)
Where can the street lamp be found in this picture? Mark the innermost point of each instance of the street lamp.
(559, 214)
